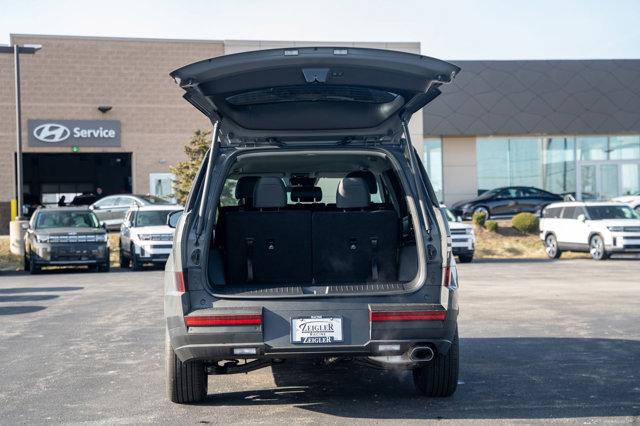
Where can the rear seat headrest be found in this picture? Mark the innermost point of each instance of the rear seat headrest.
(306, 194)
(353, 193)
(245, 186)
(368, 177)
(269, 192)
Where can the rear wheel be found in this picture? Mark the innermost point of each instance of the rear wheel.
(439, 377)
(482, 209)
(597, 249)
(186, 382)
(465, 258)
(551, 247)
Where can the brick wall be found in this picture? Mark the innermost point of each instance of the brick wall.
(71, 76)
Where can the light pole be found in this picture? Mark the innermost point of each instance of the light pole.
(17, 50)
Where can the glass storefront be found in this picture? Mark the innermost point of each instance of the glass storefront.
(587, 167)
(432, 161)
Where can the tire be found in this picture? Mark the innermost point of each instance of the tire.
(439, 377)
(185, 382)
(33, 268)
(597, 248)
(482, 209)
(124, 260)
(105, 267)
(465, 258)
(135, 263)
(551, 247)
(25, 263)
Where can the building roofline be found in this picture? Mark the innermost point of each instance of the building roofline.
(414, 44)
(107, 38)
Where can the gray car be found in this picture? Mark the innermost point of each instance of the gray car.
(312, 229)
(65, 236)
(111, 210)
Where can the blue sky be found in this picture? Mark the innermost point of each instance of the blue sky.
(460, 29)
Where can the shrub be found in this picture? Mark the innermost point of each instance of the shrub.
(526, 222)
(479, 218)
(491, 225)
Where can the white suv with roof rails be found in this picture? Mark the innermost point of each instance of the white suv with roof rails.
(145, 236)
(599, 228)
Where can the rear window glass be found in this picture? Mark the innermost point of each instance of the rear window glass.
(312, 93)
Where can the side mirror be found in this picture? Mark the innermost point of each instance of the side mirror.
(173, 218)
(104, 225)
(458, 218)
(581, 218)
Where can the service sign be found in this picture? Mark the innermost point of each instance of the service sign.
(52, 133)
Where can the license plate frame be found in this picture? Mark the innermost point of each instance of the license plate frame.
(323, 330)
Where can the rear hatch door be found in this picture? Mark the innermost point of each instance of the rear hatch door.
(317, 89)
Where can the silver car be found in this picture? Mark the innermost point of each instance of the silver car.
(110, 210)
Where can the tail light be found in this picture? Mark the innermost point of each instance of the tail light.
(222, 320)
(433, 315)
(446, 276)
(180, 282)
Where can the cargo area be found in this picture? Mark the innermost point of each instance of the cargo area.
(295, 223)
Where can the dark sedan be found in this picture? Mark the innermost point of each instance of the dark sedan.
(65, 236)
(506, 201)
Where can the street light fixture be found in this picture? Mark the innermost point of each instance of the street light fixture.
(17, 50)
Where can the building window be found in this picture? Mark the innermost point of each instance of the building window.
(508, 162)
(559, 164)
(608, 148)
(161, 185)
(547, 163)
(432, 160)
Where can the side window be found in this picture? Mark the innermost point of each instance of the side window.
(125, 201)
(105, 202)
(568, 212)
(552, 213)
(228, 195)
(578, 211)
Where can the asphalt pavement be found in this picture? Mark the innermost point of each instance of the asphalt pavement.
(541, 342)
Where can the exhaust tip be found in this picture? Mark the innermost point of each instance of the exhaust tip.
(421, 353)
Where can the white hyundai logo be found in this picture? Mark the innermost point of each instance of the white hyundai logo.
(51, 132)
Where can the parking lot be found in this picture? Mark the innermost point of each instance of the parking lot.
(541, 342)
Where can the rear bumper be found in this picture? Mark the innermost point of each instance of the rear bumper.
(362, 338)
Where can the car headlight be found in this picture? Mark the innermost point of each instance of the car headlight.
(42, 238)
(144, 237)
(469, 230)
(615, 228)
(101, 237)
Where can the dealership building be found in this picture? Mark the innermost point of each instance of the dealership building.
(104, 113)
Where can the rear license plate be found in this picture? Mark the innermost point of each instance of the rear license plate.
(309, 330)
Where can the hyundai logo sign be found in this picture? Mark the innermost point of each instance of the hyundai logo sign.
(51, 132)
(74, 133)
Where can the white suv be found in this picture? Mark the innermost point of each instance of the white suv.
(463, 240)
(599, 228)
(145, 236)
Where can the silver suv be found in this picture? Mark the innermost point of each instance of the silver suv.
(311, 230)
